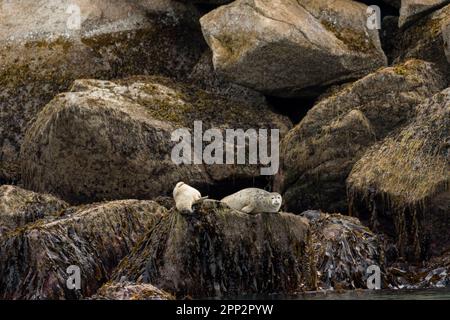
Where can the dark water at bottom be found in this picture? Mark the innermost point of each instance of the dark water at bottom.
(417, 294)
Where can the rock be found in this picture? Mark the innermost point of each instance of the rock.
(401, 184)
(343, 251)
(218, 251)
(204, 76)
(42, 52)
(427, 39)
(34, 259)
(434, 273)
(221, 252)
(130, 291)
(19, 207)
(112, 140)
(319, 153)
(411, 10)
(292, 48)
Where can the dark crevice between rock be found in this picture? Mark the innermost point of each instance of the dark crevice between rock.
(294, 108)
(221, 189)
(386, 9)
(204, 8)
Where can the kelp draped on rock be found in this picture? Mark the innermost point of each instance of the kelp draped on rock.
(221, 252)
(406, 179)
(35, 258)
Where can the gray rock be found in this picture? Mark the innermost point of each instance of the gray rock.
(412, 10)
(221, 252)
(290, 48)
(427, 39)
(42, 52)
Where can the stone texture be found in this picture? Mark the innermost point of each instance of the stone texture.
(291, 48)
(19, 207)
(41, 53)
(220, 252)
(427, 39)
(34, 259)
(403, 181)
(413, 9)
(112, 140)
(319, 153)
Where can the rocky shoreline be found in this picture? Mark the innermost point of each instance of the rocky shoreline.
(89, 100)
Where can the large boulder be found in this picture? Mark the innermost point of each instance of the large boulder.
(427, 39)
(401, 185)
(290, 48)
(45, 45)
(319, 153)
(34, 260)
(130, 291)
(112, 140)
(217, 251)
(19, 207)
(411, 10)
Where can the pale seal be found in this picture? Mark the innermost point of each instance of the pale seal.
(185, 196)
(254, 200)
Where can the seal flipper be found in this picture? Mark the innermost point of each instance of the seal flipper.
(248, 209)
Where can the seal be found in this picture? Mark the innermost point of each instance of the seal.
(185, 196)
(254, 200)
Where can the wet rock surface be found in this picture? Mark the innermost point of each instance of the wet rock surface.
(35, 258)
(414, 9)
(319, 153)
(19, 207)
(91, 91)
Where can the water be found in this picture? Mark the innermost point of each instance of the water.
(416, 294)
